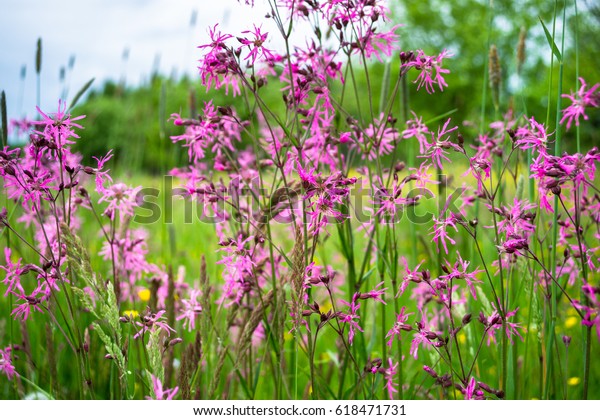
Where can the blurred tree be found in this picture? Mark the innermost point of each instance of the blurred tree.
(133, 121)
(468, 28)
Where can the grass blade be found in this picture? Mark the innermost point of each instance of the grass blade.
(555, 49)
(79, 94)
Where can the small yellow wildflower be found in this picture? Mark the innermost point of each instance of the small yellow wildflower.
(144, 295)
(573, 381)
(131, 313)
(571, 322)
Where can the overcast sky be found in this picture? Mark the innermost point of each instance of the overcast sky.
(96, 33)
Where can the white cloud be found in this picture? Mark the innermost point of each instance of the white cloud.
(97, 32)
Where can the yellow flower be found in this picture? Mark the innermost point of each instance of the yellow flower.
(144, 295)
(574, 381)
(131, 313)
(325, 307)
(462, 337)
(571, 322)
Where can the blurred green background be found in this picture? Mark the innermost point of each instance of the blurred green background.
(134, 120)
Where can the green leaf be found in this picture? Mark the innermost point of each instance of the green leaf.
(555, 49)
(439, 117)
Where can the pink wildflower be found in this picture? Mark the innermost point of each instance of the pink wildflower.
(150, 321)
(440, 231)
(13, 273)
(389, 375)
(58, 128)
(431, 70)
(579, 101)
(120, 198)
(6, 365)
(191, 309)
(256, 46)
(351, 319)
(399, 325)
(161, 393)
(102, 176)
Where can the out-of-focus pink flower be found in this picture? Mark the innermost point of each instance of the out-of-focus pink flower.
(191, 309)
(120, 198)
(378, 139)
(6, 365)
(389, 375)
(13, 273)
(417, 129)
(579, 101)
(102, 176)
(472, 391)
(161, 393)
(239, 267)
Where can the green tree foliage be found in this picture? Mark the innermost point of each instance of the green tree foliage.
(469, 27)
(134, 121)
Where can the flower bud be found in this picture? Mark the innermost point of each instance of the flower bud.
(431, 335)
(173, 342)
(430, 371)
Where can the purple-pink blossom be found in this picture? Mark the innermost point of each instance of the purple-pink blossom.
(160, 392)
(580, 100)
(6, 364)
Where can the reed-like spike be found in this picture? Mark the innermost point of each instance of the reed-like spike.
(255, 318)
(297, 278)
(521, 49)
(38, 57)
(4, 133)
(170, 306)
(185, 373)
(495, 75)
(214, 383)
